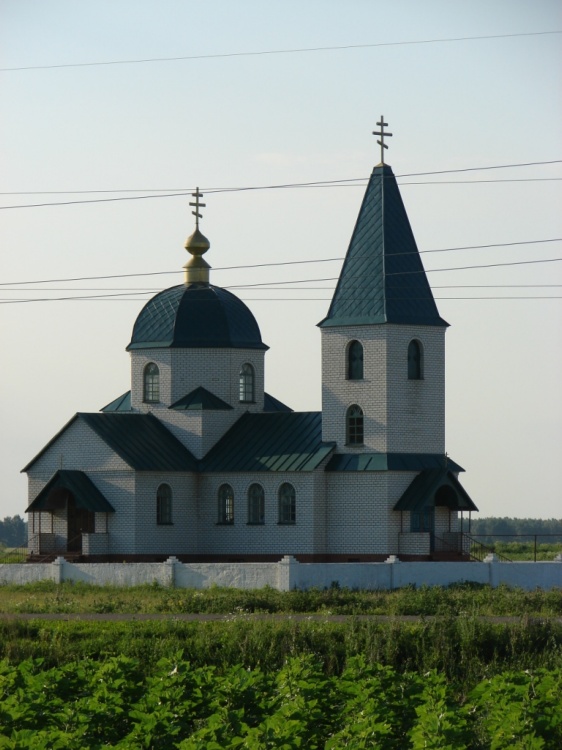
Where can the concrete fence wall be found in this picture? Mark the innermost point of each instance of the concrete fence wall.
(290, 574)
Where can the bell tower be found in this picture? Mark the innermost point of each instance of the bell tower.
(383, 340)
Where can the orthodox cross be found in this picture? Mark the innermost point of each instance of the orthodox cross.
(382, 124)
(197, 205)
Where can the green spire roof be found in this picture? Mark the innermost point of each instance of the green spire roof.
(383, 278)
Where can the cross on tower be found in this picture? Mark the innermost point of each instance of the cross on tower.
(197, 205)
(382, 124)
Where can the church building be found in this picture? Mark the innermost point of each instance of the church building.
(197, 460)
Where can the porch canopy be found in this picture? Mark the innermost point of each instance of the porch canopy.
(435, 488)
(66, 484)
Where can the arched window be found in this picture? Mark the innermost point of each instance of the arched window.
(287, 503)
(414, 360)
(151, 386)
(164, 504)
(247, 383)
(256, 504)
(354, 425)
(226, 504)
(355, 361)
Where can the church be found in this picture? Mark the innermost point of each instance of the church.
(199, 461)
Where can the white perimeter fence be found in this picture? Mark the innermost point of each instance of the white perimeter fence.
(289, 574)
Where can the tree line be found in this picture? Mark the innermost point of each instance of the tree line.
(13, 531)
(496, 526)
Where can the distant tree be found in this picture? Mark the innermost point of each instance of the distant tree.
(490, 527)
(13, 531)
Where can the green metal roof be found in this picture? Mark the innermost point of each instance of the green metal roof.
(383, 278)
(200, 400)
(122, 403)
(422, 492)
(389, 462)
(280, 441)
(84, 491)
(270, 403)
(141, 441)
(196, 316)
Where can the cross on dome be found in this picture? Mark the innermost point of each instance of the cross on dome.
(382, 124)
(197, 205)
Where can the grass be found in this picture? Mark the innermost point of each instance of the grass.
(466, 599)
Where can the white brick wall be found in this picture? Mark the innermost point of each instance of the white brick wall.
(400, 415)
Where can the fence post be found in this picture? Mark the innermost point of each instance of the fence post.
(171, 571)
(392, 560)
(58, 569)
(287, 573)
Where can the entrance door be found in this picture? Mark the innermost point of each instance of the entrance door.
(79, 521)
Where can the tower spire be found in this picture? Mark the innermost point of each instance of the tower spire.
(197, 269)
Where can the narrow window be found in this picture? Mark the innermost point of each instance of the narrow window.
(164, 504)
(414, 360)
(354, 425)
(226, 504)
(247, 383)
(151, 392)
(256, 504)
(355, 361)
(287, 504)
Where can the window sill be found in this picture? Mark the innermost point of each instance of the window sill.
(255, 523)
(164, 523)
(247, 402)
(286, 523)
(224, 523)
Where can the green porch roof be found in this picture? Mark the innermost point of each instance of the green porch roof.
(435, 487)
(382, 278)
(79, 485)
(200, 399)
(389, 462)
(277, 441)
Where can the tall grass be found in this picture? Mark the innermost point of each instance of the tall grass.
(461, 599)
(466, 650)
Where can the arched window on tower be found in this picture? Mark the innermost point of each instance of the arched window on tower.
(256, 504)
(247, 383)
(354, 425)
(355, 361)
(415, 371)
(151, 384)
(164, 504)
(287, 503)
(226, 504)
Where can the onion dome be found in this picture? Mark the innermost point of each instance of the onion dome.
(196, 314)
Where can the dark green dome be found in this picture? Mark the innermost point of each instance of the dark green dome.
(196, 316)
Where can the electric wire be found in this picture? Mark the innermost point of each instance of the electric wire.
(284, 186)
(271, 265)
(281, 51)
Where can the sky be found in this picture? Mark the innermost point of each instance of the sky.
(95, 107)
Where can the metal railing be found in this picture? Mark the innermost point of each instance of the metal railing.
(26, 553)
(467, 546)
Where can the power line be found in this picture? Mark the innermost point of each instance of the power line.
(270, 265)
(284, 186)
(293, 184)
(280, 51)
(270, 284)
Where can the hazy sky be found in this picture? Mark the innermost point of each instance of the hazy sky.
(225, 118)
